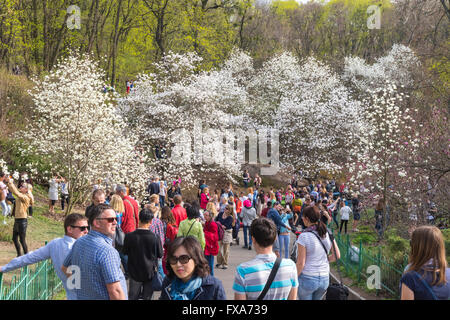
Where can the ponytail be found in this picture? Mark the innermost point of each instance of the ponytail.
(315, 216)
(321, 226)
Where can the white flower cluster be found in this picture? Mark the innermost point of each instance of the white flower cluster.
(78, 128)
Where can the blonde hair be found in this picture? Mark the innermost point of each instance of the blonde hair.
(117, 204)
(211, 208)
(427, 242)
(250, 190)
(154, 197)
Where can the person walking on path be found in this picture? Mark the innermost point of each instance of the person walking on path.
(252, 276)
(246, 178)
(191, 226)
(274, 215)
(143, 249)
(98, 196)
(226, 219)
(356, 208)
(53, 193)
(189, 277)
(96, 259)
(179, 213)
(284, 237)
(3, 195)
(204, 198)
(314, 245)
(427, 276)
(75, 226)
(345, 216)
(211, 239)
(130, 218)
(20, 213)
(171, 228)
(248, 215)
(162, 194)
(64, 193)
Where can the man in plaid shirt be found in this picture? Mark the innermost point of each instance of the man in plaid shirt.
(95, 261)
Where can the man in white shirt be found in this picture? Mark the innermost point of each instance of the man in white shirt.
(345, 216)
(75, 226)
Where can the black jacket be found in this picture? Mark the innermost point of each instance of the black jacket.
(143, 248)
(211, 289)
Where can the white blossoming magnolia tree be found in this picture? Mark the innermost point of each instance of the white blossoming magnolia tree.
(77, 127)
(307, 103)
(314, 112)
(175, 107)
(379, 161)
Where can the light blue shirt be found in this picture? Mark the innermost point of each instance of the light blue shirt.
(56, 250)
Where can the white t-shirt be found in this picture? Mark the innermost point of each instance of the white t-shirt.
(345, 213)
(53, 190)
(4, 189)
(316, 262)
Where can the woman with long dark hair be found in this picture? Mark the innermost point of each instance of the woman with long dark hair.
(427, 276)
(314, 245)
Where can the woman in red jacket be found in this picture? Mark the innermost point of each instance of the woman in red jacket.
(204, 198)
(211, 239)
(171, 228)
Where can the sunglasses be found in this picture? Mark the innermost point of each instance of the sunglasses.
(183, 259)
(110, 220)
(82, 228)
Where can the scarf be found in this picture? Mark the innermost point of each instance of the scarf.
(185, 291)
(311, 228)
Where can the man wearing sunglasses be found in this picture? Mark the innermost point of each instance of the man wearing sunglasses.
(96, 260)
(75, 226)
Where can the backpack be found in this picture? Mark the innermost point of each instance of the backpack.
(294, 252)
(220, 230)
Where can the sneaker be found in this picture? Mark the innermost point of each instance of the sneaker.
(217, 266)
(249, 247)
(224, 267)
(244, 247)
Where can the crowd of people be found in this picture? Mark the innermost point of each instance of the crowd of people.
(123, 249)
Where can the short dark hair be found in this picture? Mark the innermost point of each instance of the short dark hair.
(146, 215)
(264, 231)
(2, 174)
(193, 211)
(195, 251)
(97, 211)
(71, 219)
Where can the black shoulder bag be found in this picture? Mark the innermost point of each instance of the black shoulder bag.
(272, 275)
(335, 291)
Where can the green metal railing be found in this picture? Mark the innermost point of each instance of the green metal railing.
(37, 282)
(356, 262)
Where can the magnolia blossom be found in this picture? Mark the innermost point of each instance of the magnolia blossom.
(78, 130)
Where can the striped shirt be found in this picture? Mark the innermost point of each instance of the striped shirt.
(251, 277)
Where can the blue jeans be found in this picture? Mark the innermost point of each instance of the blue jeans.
(162, 200)
(249, 241)
(210, 260)
(284, 239)
(312, 287)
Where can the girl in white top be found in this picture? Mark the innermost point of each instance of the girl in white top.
(53, 193)
(314, 245)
